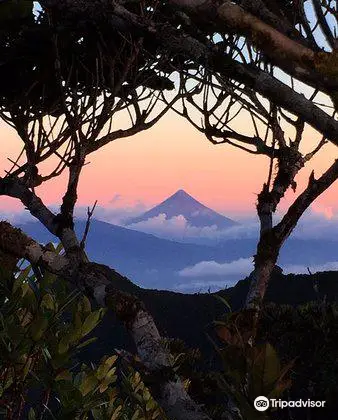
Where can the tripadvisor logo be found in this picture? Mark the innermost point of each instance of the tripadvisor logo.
(262, 403)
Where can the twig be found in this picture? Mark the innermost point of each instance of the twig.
(89, 216)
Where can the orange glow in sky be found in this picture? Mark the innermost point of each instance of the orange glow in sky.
(172, 155)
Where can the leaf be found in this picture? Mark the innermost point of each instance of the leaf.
(105, 366)
(136, 415)
(84, 306)
(38, 327)
(48, 302)
(65, 375)
(286, 369)
(265, 370)
(64, 344)
(91, 322)
(224, 301)
(29, 298)
(47, 280)
(89, 383)
(150, 405)
(59, 248)
(31, 414)
(109, 378)
(229, 336)
(21, 278)
(86, 342)
(116, 413)
(27, 367)
(146, 395)
(279, 388)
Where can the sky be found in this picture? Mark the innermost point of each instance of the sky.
(143, 170)
(137, 173)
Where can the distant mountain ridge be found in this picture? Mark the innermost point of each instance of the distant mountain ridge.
(183, 204)
(155, 262)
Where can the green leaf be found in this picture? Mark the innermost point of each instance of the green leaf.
(21, 278)
(84, 306)
(266, 370)
(224, 301)
(109, 378)
(150, 405)
(86, 342)
(27, 367)
(65, 375)
(48, 302)
(47, 280)
(59, 248)
(31, 414)
(38, 327)
(91, 322)
(105, 366)
(88, 384)
(64, 344)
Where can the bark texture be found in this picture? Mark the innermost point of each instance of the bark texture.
(273, 238)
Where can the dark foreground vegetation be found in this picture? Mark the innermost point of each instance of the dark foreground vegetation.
(52, 367)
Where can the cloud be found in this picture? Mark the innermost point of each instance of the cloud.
(240, 268)
(178, 228)
(231, 273)
(117, 214)
(316, 225)
(115, 199)
(303, 269)
(16, 217)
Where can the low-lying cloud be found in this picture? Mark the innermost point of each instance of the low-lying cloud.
(243, 267)
(16, 217)
(313, 225)
(240, 268)
(178, 228)
(113, 215)
(302, 269)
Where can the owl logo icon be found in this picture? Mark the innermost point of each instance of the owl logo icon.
(261, 403)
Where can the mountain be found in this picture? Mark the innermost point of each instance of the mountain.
(156, 263)
(148, 260)
(182, 203)
(186, 316)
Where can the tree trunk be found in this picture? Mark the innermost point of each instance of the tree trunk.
(265, 260)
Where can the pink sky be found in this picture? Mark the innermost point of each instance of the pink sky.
(154, 164)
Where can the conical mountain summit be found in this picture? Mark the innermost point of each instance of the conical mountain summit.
(183, 204)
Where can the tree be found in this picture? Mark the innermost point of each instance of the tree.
(214, 112)
(189, 28)
(258, 39)
(196, 33)
(75, 82)
(275, 35)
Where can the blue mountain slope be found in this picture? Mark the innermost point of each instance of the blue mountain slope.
(146, 259)
(153, 262)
